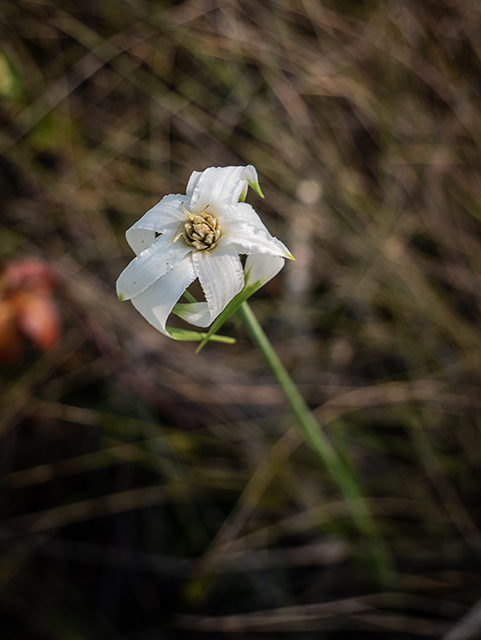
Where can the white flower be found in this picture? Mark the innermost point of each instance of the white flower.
(199, 235)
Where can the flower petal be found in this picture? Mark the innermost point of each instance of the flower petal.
(156, 302)
(243, 228)
(260, 268)
(139, 239)
(196, 313)
(219, 188)
(221, 277)
(247, 239)
(164, 216)
(191, 185)
(243, 212)
(155, 261)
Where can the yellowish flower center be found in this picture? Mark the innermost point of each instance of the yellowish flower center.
(202, 231)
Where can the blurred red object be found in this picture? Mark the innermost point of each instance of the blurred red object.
(27, 307)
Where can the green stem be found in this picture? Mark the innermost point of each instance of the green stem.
(315, 437)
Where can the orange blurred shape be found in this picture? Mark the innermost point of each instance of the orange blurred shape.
(27, 307)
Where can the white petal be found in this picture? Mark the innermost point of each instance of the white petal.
(243, 228)
(139, 239)
(243, 212)
(196, 313)
(191, 185)
(156, 302)
(247, 239)
(260, 268)
(219, 188)
(155, 261)
(164, 216)
(221, 277)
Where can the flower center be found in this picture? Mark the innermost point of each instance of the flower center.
(202, 231)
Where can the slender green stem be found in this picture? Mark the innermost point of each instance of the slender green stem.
(316, 438)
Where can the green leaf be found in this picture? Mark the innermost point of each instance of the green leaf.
(189, 296)
(196, 336)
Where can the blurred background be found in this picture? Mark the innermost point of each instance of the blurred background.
(148, 492)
